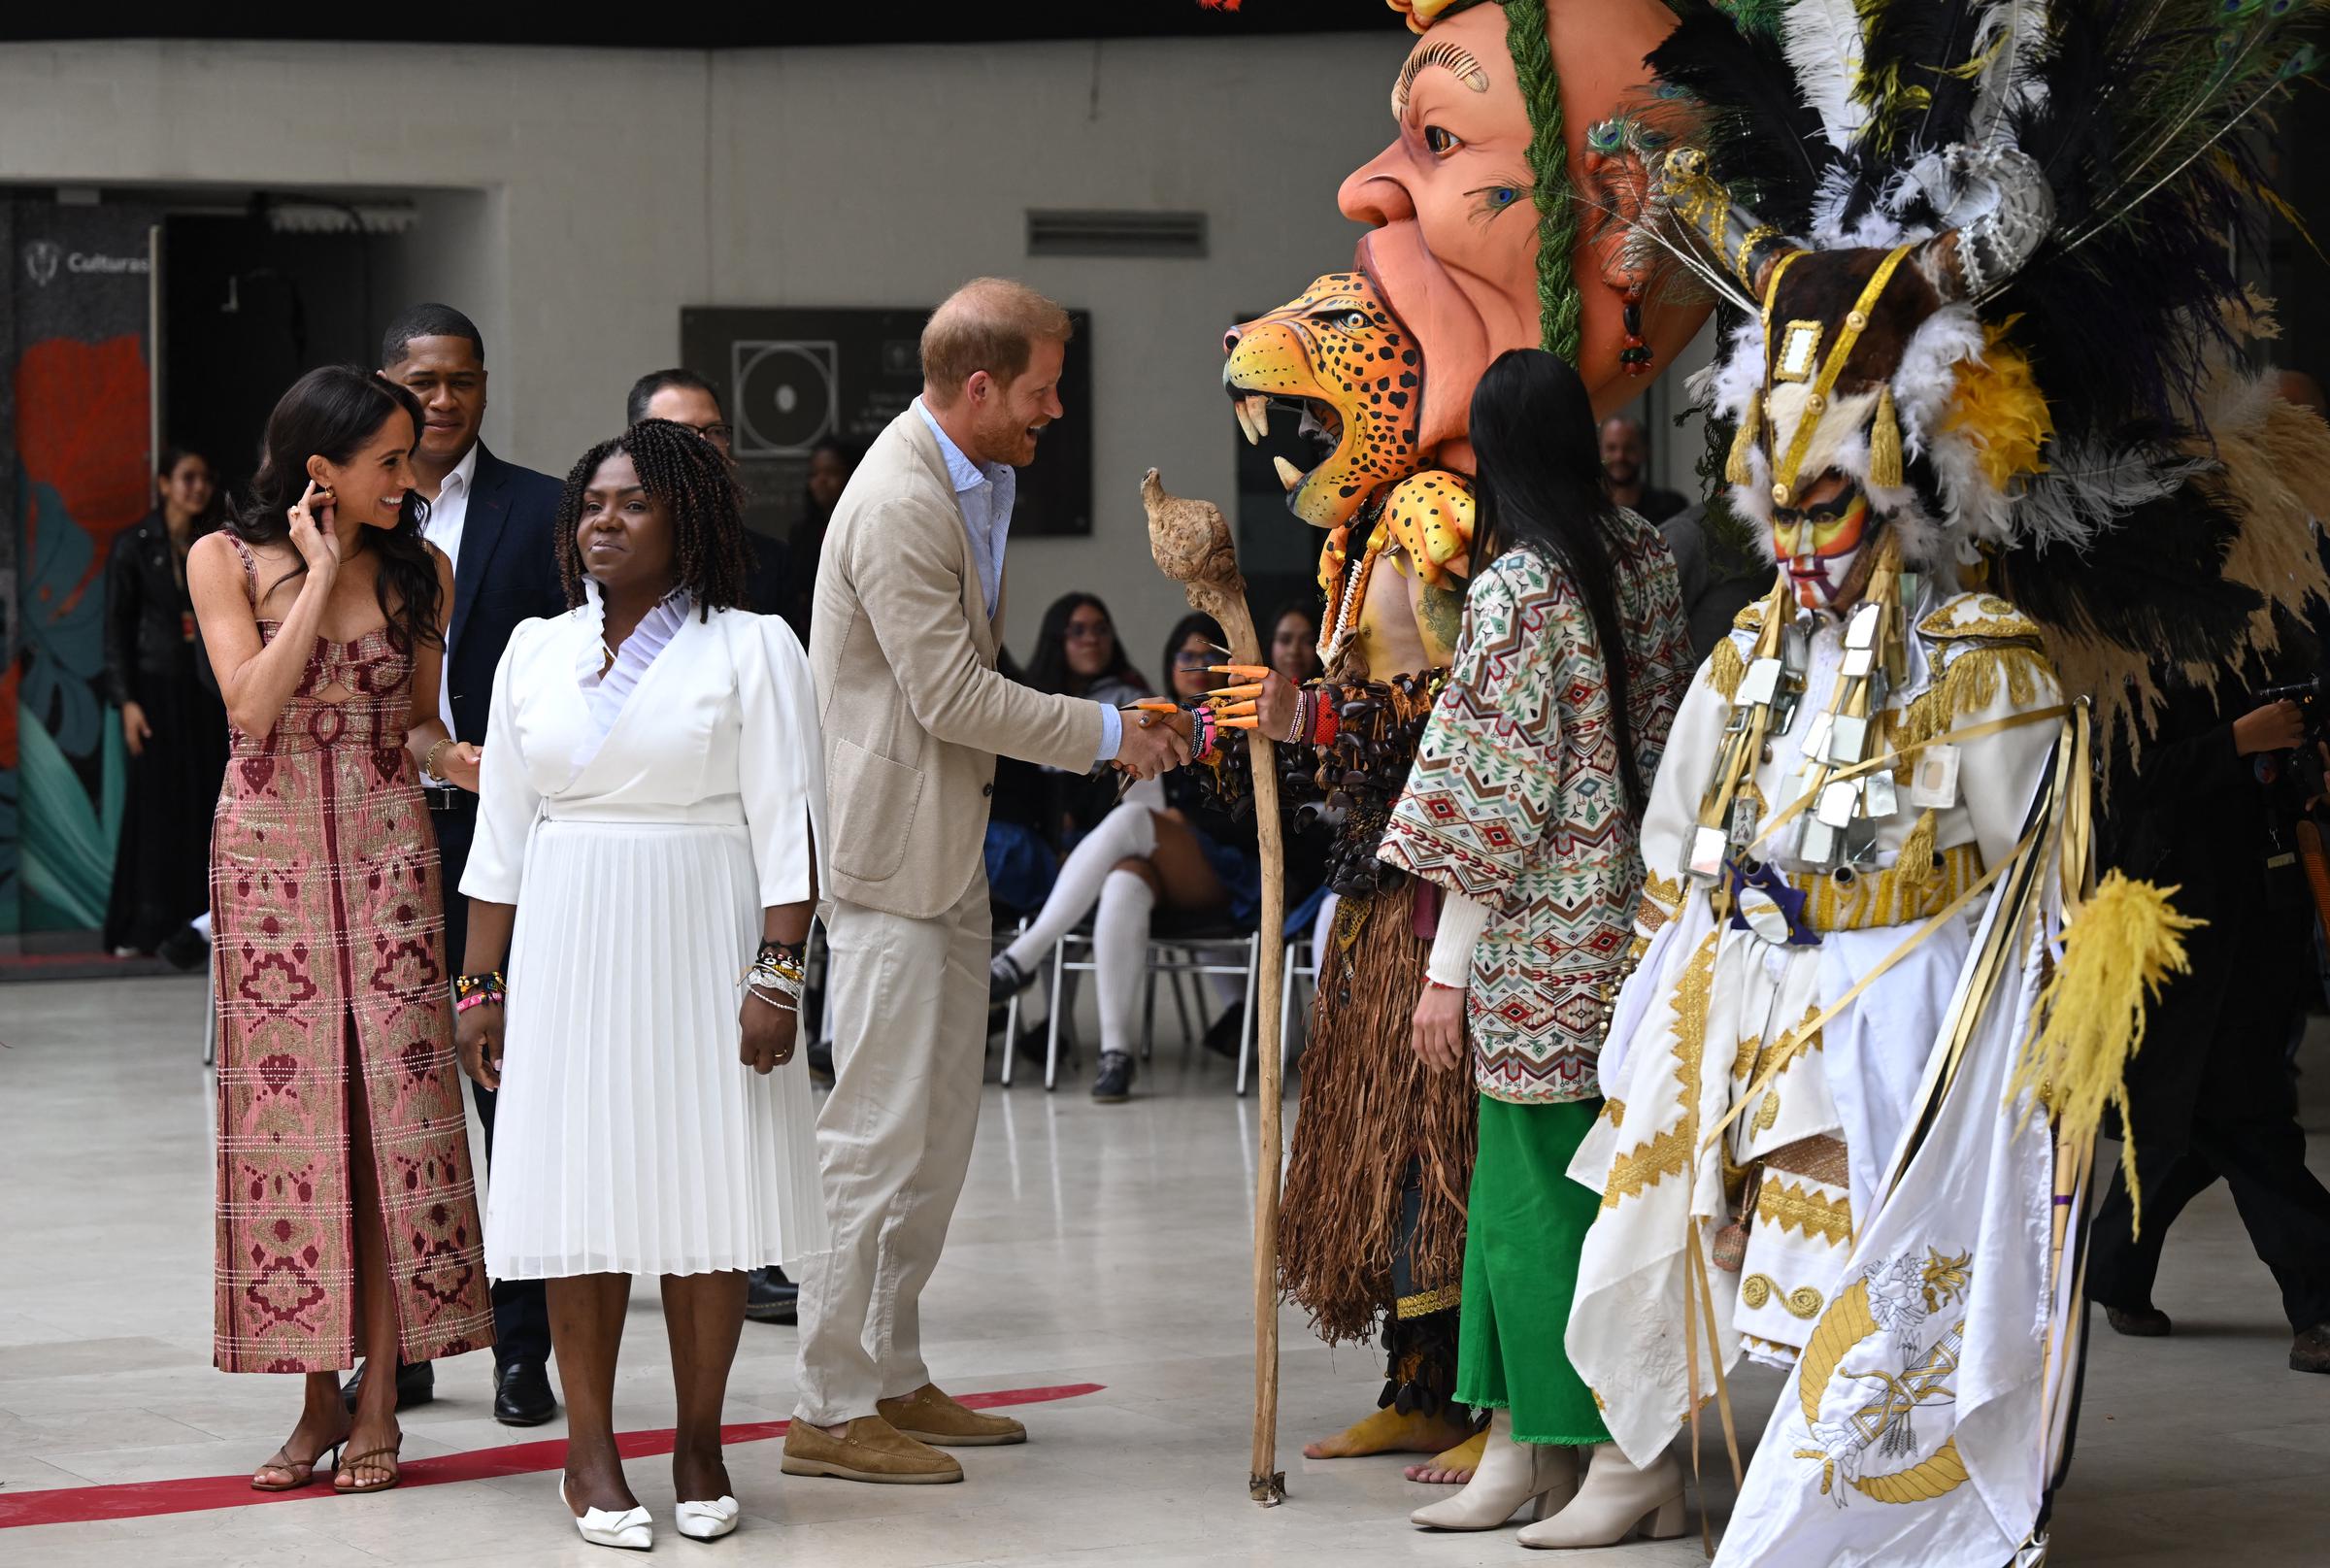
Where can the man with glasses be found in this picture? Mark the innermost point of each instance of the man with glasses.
(686, 398)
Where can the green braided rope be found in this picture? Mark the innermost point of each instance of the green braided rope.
(1558, 307)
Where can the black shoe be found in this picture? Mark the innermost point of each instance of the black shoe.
(771, 1298)
(521, 1394)
(416, 1384)
(2144, 1323)
(1223, 1033)
(2309, 1349)
(183, 950)
(1115, 1083)
(1005, 979)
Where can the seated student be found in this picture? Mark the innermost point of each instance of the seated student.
(1183, 854)
(1076, 653)
(1293, 643)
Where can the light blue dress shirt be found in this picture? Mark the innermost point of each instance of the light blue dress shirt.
(984, 493)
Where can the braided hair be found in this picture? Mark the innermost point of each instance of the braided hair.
(1558, 306)
(687, 476)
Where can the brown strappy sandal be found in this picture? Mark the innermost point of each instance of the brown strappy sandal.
(301, 1471)
(369, 1459)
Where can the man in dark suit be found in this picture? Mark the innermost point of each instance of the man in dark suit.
(497, 522)
(686, 398)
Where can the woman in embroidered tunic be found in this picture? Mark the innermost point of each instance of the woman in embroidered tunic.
(347, 1218)
(1523, 807)
(651, 810)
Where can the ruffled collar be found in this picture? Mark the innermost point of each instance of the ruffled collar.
(605, 696)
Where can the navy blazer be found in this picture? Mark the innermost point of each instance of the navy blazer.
(507, 571)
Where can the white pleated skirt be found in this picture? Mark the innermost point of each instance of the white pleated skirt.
(629, 1138)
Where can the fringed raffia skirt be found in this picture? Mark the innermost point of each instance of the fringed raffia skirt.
(1370, 1112)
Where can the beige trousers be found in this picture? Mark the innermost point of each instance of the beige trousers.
(908, 1002)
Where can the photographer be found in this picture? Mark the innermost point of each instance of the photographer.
(2209, 807)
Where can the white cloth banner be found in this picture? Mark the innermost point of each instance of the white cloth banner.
(1910, 1432)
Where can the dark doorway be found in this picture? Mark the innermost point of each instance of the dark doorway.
(245, 312)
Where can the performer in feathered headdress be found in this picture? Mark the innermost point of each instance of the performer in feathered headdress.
(1977, 386)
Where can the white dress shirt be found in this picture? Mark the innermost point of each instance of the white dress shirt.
(447, 515)
(984, 493)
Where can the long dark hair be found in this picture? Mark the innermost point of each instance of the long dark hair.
(1048, 667)
(331, 412)
(691, 481)
(1540, 485)
(1192, 624)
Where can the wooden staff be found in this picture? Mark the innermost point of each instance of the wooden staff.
(1192, 545)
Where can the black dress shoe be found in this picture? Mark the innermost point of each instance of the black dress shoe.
(521, 1394)
(2309, 1349)
(1224, 1034)
(2138, 1322)
(416, 1384)
(772, 1298)
(184, 949)
(1114, 1085)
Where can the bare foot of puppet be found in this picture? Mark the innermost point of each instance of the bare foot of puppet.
(1454, 1468)
(1388, 1431)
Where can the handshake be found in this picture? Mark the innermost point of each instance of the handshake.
(1161, 735)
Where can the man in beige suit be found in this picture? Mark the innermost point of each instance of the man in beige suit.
(908, 599)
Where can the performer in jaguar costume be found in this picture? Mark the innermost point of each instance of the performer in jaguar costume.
(1477, 244)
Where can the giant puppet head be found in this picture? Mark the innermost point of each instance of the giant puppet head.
(1479, 243)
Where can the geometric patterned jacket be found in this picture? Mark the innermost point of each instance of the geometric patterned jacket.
(1516, 802)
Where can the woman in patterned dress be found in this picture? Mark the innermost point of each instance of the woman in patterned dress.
(346, 1219)
(1524, 808)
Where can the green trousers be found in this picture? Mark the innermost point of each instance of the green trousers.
(1523, 1230)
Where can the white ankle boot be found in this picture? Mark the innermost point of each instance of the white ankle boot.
(1614, 1501)
(1509, 1475)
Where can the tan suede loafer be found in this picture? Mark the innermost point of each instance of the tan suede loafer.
(869, 1448)
(930, 1417)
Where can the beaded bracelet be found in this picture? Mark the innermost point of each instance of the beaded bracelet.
(477, 990)
(1325, 724)
(1306, 704)
(1203, 734)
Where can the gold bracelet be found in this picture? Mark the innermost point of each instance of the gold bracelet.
(428, 763)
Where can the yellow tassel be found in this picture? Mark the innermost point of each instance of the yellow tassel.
(2119, 948)
(1914, 867)
(1737, 470)
(1885, 444)
(1725, 668)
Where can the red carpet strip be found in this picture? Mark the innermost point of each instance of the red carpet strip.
(140, 1499)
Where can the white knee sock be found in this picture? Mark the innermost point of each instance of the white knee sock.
(1129, 832)
(1120, 953)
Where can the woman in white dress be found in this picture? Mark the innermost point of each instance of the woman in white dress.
(651, 813)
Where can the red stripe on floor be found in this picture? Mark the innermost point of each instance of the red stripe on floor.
(140, 1499)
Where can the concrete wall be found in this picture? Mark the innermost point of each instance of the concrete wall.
(574, 200)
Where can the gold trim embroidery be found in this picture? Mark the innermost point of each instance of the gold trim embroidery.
(1767, 1113)
(1970, 683)
(1758, 1289)
(1750, 616)
(1615, 1112)
(1789, 1206)
(1424, 1303)
(1994, 619)
(1667, 1154)
(1894, 896)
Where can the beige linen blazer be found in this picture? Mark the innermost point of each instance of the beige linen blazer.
(912, 710)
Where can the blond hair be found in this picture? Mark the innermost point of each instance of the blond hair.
(990, 324)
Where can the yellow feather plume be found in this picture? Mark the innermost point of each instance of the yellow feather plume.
(1999, 408)
(2119, 948)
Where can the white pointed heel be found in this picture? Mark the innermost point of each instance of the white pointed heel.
(632, 1530)
(707, 1521)
(1614, 1501)
(1509, 1475)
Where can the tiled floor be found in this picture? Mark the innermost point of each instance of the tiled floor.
(1095, 1244)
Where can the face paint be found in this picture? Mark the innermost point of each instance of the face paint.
(1820, 545)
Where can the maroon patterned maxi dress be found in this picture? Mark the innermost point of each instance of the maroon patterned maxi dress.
(328, 934)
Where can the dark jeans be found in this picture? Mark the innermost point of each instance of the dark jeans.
(2242, 1127)
(522, 1313)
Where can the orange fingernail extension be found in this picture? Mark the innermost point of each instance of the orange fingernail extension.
(1252, 688)
(1248, 722)
(1251, 672)
(1156, 705)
